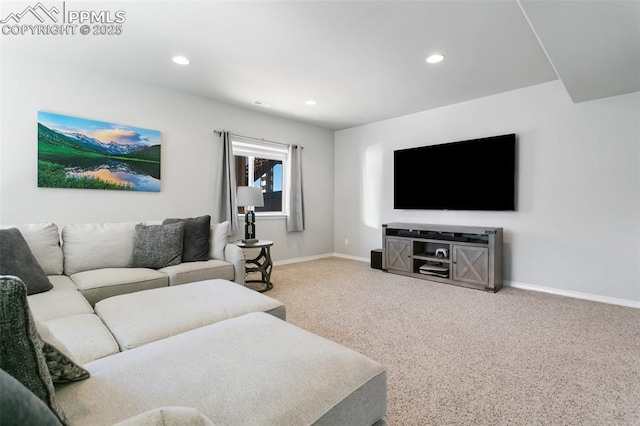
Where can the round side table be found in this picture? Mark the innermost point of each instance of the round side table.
(261, 263)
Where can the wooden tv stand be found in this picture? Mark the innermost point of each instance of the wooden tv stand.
(468, 256)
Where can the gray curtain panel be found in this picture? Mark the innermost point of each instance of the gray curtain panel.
(225, 207)
(295, 220)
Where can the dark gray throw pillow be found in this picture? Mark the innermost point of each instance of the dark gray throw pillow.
(16, 259)
(197, 231)
(157, 246)
(19, 406)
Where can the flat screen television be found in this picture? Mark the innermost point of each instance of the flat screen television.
(477, 174)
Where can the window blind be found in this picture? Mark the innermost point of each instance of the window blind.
(260, 149)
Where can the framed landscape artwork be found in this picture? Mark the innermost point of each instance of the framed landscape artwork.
(81, 153)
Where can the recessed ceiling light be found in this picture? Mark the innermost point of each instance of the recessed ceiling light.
(310, 102)
(180, 60)
(435, 58)
(262, 104)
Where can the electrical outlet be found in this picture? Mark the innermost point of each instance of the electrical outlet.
(346, 241)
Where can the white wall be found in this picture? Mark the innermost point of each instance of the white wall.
(577, 224)
(189, 154)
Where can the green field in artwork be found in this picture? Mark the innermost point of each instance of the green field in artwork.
(80, 153)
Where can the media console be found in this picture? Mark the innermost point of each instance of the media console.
(468, 256)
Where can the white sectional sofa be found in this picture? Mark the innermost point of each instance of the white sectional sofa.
(95, 258)
(207, 352)
(90, 262)
(250, 370)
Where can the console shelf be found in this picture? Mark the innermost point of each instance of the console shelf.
(468, 256)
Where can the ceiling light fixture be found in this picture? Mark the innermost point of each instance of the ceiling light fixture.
(310, 102)
(262, 104)
(180, 60)
(435, 58)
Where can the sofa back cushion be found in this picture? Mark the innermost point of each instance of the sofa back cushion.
(44, 242)
(90, 246)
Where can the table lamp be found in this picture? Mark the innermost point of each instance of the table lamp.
(249, 197)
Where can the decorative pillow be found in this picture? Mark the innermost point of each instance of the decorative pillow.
(218, 239)
(62, 367)
(44, 241)
(195, 244)
(19, 406)
(21, 347)
(157, 246)
(18, 260)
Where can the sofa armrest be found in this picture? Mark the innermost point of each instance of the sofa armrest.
(235, 255)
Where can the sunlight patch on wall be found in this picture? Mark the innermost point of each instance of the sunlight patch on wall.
(370, 186)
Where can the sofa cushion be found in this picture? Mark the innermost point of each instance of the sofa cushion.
(19, 406)
(189, 272)
(102, 283)
(18, 260)
(61, 282)
(91, 246)
(21, 347)
(139, 318)
(58, 304)
(157, 246)
(85, 337)
(218, 240)
(250, 370)
(197, 232)
(44, 241)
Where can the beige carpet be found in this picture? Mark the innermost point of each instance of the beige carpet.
(457, 356)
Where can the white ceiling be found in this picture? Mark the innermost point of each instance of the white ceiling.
(362, 61)
(593, 45)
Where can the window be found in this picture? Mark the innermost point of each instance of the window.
(262, 164)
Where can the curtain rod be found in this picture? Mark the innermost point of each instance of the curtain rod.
(257, 139)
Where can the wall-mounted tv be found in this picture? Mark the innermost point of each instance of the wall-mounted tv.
(477, 174)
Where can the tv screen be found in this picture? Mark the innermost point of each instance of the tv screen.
(477, 174)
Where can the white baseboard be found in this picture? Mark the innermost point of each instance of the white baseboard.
(523, 286)
(302, 259)
(320, 256)
(346, 256)
(574, 294)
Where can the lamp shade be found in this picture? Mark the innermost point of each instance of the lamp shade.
(249, 196)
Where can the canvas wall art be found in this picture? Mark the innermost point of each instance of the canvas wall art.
(81, 153)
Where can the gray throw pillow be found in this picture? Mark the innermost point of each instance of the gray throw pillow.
(195, 245)
(19, 406)
(21, 347)
(157, 246)
(18, 260)
(62, 367)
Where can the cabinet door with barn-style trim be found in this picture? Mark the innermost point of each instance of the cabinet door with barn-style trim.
(398, 253)
(471, 264)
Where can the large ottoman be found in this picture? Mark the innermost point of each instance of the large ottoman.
(250, 370)
(142, 317)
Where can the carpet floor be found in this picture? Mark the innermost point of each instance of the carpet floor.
(457, 356)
